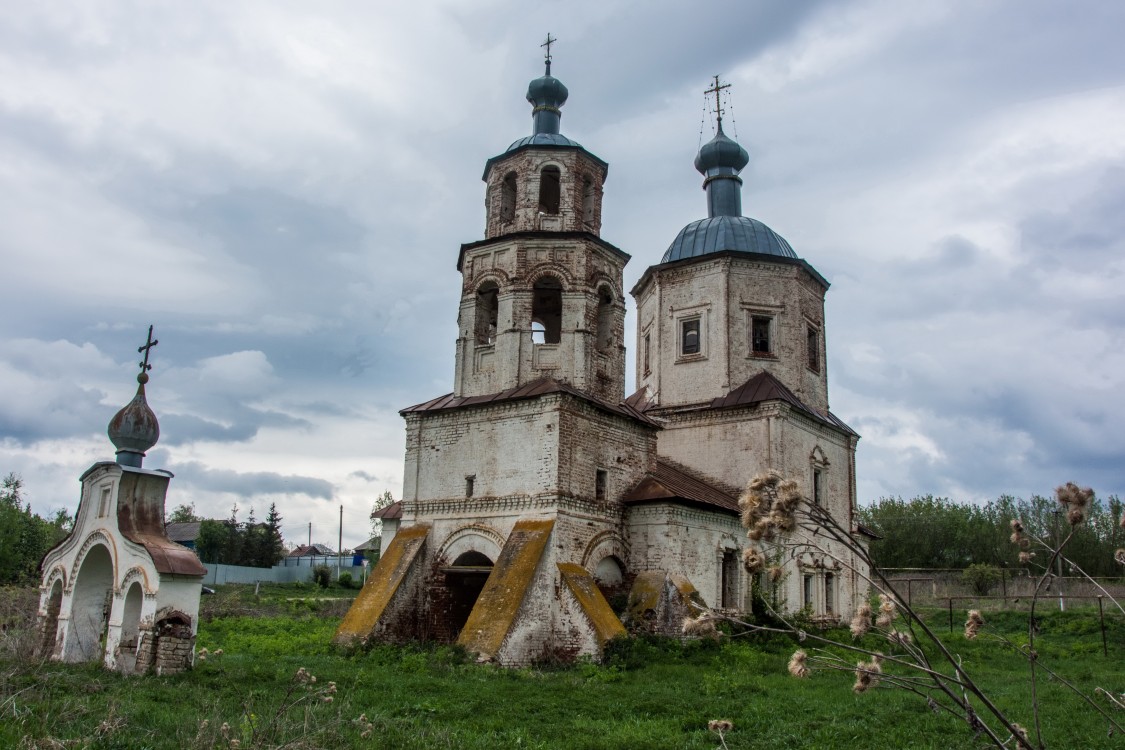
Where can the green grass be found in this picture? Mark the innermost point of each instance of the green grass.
(649, 695)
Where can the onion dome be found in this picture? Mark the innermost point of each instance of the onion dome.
(134, 429)
(546, 95)
(721, 152)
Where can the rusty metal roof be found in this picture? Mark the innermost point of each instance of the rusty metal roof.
(534, 389)
(765, 387)
(392, 511)
(669, 481)
(141, 520)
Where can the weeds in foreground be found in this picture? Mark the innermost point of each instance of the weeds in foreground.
(917, 660)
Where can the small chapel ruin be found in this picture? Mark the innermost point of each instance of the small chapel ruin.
(536, 493)
(117, 590)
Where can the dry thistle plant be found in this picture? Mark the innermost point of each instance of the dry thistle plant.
(781, 524)
(720, 727)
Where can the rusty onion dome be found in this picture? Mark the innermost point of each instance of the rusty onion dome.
(134, 428)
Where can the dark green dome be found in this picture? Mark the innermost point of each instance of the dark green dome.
(547, 91)
(721, 152)
(721, 233)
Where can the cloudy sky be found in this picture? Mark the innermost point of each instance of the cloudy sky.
(282, 189)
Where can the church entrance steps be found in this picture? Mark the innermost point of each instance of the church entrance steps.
(498, 606)
(590, 600)
(377, 599)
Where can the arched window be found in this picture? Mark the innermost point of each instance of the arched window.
(488, 306)
(587, 200)
(508, 199)
(546, 310)
(549, 191)
(605, 320)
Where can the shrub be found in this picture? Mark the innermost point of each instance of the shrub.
(346, 581)
(981, 577)
(322, 576)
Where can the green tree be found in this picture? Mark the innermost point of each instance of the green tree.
(274, 545)
(24, 536)
(212, 541)
(184, 513)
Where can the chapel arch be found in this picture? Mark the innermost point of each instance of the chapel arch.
(50, 631)
(130, 627)
(546, 310)
(550, 190)
(487, 312)
(89, 606)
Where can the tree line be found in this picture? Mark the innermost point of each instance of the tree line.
(936, 532)
(25, 537)
(233, 542)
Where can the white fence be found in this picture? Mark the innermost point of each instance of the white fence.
(299, 569)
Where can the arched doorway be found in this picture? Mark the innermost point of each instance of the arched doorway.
(89, 606)
(464, 580)
(130, 627)
(609, 575)
(51, 620)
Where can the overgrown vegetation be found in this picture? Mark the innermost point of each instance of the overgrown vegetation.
(650, 693)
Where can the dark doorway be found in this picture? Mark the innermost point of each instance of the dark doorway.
(464, 580)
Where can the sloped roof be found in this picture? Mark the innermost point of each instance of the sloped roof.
(669, 481)
(374, 542)
(306, 550)
(183, 532)
(392, 511)
(765, 387)
(534, 389)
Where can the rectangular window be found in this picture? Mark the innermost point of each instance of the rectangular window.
(817, 487)
(647, 354)
(812, 341)
(470, 481)
(760, 334)
(808, 591)
(730, 580)
(599, 485)
(689, 336)
(829, 594)
(103, 505)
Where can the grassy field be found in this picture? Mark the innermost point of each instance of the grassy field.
(648, 695)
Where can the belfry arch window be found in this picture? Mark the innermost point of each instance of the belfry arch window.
(549, 190)
(605, 320)
(546, 311)
(488, 307)
(508, 199)
(587, 200)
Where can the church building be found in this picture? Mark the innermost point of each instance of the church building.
(540, 505)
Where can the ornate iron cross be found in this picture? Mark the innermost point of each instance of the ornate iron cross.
(151, 342)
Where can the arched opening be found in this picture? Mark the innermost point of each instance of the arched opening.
(508, 198)
(609, 574)
(464, 580)
(488, 308)
(549, 190)
(588, 197)
(546, 310)
(605, 320)
(51, 620)
(130, 628)
(89, 606)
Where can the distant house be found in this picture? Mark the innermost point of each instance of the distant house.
(183, 533)
(369, 549)
(312, 550)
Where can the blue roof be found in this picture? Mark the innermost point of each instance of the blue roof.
(719, 233)
(544, 139)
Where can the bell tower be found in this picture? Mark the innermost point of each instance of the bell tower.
(541, 294)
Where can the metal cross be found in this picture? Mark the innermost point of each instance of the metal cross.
(548, 44)
(716, 89)
(151, 342)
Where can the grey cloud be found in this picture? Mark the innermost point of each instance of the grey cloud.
(194, 475)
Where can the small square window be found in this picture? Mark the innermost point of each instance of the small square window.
(600, 479)
(760, 334)
(470, 483)
(689, 336)
(812, 340)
